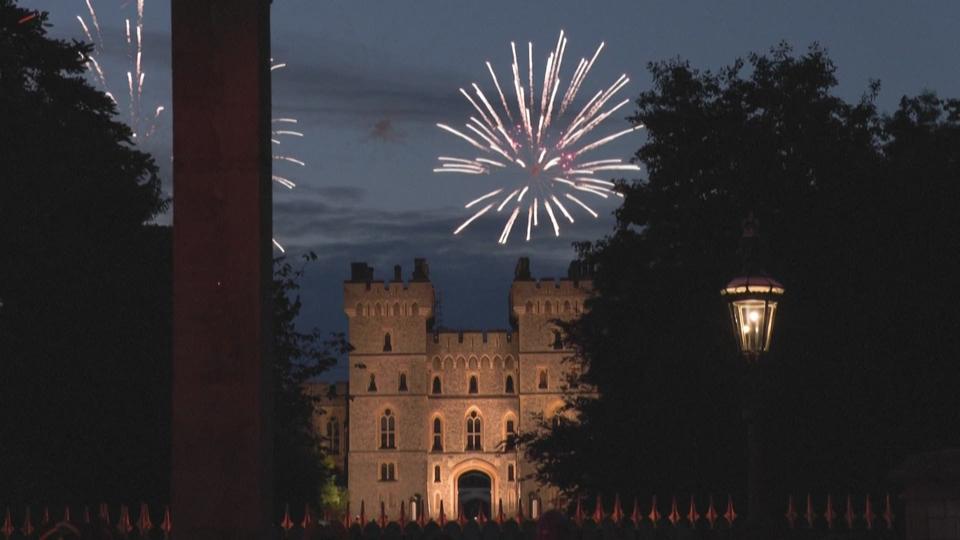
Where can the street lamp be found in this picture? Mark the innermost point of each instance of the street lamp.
(752, 299)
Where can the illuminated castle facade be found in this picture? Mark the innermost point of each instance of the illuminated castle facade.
(427, 413)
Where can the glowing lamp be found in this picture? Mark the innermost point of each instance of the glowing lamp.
(753, 307)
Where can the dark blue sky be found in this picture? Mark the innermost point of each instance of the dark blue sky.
(368, 81)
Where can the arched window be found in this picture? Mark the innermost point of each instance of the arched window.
(396, 309)
(511, 474)
(437, 435)
(387, 345)
(333, 435)
(508, 385)
(557, 340)
(548, 308)
(436, 474)
(473, 384)
(388, 430)
(372, 387)
(403, 382)
(436, 386)
(542, 383)
(511, 434)
(474, 432)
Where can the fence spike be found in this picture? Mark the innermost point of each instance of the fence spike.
(443, 515)
(346, 517)
(421, 516)
(730, 515)
(124, 525)
(499, 511)
(791, 514)
(598, 510)
(307, 517)
(27, 528)
(674, 515)
(7, 528)
(143, 520)
(461, 516)
(888, 512)
(654, 513)
(481, 517)
(829, 514)
(578, 513)
(810, 515)
(711, 513)
(383, 516)
(868, 514)
(363, 513)
(849, 516)
(617, 510)
(286, 523)
(692, 515)
(86, 514)
(403, 516)
(45, 518)
(167, 524)
(66, 514)
(104, 513)
(519, 516)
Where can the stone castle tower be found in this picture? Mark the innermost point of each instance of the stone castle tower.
(428, 412)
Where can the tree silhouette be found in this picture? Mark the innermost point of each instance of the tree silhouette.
(858, 214)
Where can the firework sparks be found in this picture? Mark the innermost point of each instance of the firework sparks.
(143, 125)
(523, 136)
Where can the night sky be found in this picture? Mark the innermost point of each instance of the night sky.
(368, 81)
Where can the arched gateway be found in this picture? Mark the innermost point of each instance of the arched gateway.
(474, 493)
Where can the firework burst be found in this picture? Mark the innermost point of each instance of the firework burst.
(545, 163)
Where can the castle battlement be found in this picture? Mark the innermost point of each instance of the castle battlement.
(453, 342)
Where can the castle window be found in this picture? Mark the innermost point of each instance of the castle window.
(557, 340)
(333, 436)
(508, 384)
(403, 382)
(511, 432)
(474, 431)
(548, 308)
(372, 387)
(388, 430)
(388, 472)
(473, 384)
(437, 435)
(396, 309)
(511, 474)
(436, 385)
(436, 473)
(387, 345)
(542, 384)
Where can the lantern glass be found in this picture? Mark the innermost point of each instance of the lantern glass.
(753, 309)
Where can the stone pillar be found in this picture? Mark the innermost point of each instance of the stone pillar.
(222, 483)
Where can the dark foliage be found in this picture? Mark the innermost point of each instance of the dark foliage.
(858, 213)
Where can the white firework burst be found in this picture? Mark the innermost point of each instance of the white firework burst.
(545, 162)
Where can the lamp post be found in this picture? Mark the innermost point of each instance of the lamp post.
(752, 298)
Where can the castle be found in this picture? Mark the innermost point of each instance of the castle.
(427, 414)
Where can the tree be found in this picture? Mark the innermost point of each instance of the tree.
(86, 300)
(302, 470)
(858, 214)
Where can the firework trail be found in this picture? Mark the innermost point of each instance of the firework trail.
(552, 173)
(144, 127)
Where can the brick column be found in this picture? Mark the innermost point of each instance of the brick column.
(222, 483)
